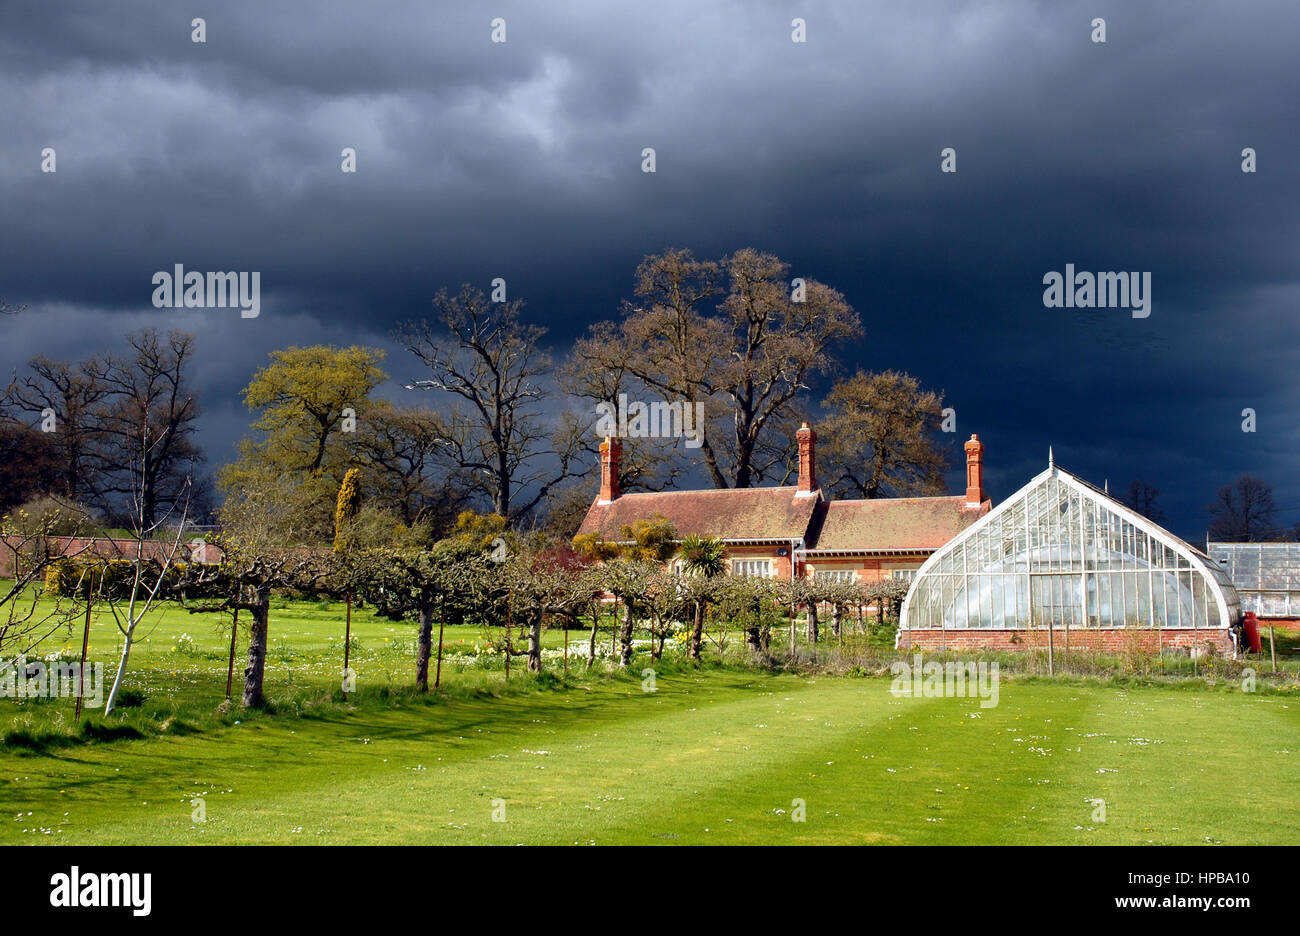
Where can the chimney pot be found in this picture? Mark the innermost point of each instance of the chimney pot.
(610, 450)
(974, 471)
(807, 440)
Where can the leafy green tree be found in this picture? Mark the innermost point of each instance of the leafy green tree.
(628, 579)
(548, 582)
(651, 538)
(305, 400)
(752, 603)
(420, 583)
(29, 464)
(261, 541)
(703, 557)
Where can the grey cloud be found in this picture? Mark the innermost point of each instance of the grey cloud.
(522, 160)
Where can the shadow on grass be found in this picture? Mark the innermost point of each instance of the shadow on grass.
(45, 733)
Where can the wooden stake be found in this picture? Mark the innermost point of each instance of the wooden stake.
(85, 644)
(347, 645)
(1051, 650)
(1272, 648)
(442, 622)
(230, 669)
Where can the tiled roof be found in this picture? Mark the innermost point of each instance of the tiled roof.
(731, 514)
(892, 523)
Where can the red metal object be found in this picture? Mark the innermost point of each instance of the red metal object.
(1250, 628)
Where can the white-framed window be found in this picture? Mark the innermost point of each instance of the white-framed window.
(755, 568)
(905, 575)
(835, 575)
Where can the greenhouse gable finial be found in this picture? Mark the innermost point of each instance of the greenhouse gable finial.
(1050, 462)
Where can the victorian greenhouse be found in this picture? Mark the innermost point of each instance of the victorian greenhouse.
(1062, 559)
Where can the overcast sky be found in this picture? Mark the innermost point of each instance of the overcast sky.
(523, 160)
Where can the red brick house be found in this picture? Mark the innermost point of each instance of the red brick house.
(790, 531)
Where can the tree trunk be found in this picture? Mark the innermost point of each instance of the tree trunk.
(256, 669)
(837, 621)
(595, 626)
(424, 648)
(535, 642)
(625, 637)
(814, 623)
(127, 642)
(697, 635)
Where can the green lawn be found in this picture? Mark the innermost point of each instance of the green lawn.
(714, 756)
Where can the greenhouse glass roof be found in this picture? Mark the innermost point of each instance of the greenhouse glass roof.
(1064, 552)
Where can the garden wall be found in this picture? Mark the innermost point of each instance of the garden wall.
(1105, 639)
(98, 546)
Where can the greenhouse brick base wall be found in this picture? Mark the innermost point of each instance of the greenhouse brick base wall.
(1108, 640)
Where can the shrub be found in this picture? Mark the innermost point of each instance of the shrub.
(108, 578)
(100, 578)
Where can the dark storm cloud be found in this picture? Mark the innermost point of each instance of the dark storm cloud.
(523, 160)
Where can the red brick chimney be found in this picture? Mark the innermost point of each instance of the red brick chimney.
(807, 466)
(610, 450)
(974, 471)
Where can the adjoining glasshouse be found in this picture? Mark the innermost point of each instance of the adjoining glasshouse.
(1267, 576)
(1061, 560)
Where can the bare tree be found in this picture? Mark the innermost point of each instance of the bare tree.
(592, 375)
(150, 570)
(879, 439)
(66, 401)
(1141, 497)
(27, 616)
(401, 451)
(149, 397)
(490, 363)
(747, 359)
(1244, 511)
